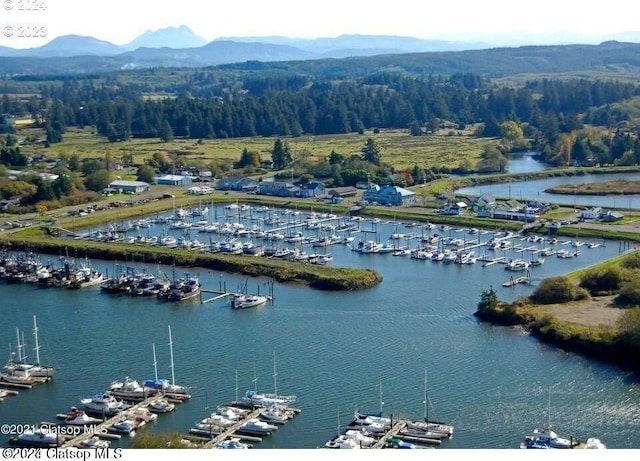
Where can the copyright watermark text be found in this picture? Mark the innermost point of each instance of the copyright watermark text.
(24, 30)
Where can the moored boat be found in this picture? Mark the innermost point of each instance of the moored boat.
(246, 301)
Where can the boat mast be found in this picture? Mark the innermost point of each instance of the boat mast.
(381, 401)
(35, 334)
(155, 362)
(19, 347)
(23, 347)
(426, 399)
(275, 386)
(237, 385)
(173, 376)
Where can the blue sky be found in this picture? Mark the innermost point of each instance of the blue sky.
(120, 21)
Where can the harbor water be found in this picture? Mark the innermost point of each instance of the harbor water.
(336, 351)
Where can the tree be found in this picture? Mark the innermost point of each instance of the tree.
(371, 152)
(248, 159)
(488, 300)
(166, 132)
(511, 131)
(146, 174)
(281, 154)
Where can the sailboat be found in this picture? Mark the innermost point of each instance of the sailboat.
(22, 369)
(544, 437)
(268, 400)
(164, 385)
(432, 429)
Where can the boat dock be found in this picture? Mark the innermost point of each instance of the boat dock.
(513, 281)
(103, 430)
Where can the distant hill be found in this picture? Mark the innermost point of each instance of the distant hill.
(313, 59)
(170, 37)
(70, 45)
(377, 44)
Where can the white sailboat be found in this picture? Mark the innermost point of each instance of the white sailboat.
(431, 429)
(20, 368)
(268, 400)
(163, 385)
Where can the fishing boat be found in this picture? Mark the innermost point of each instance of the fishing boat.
(184, 289)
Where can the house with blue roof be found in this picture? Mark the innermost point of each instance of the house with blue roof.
(389, 195)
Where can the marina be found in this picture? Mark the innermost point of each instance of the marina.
(336, 344)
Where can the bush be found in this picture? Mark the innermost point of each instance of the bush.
(629, 293)
(606, 281)
(558, 290)
(632, 261)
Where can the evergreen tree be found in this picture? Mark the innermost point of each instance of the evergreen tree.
(371, 152)
(281, 154)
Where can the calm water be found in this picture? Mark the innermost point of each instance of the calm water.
(334, 351)
(535, 190)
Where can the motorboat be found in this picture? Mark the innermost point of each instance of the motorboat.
(233, 443)
(363, 440)
(125, 426)
(517, 265)
(103, 404)
(368, 423)
(275, 415)
(38, 438)
(142, 415)
(245, 301)
(129, 390)
(94, 442)
(161, 405)
(342, 442)
(76, 417)
(256, 427)
(594, 443)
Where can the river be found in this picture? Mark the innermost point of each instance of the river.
(335, 350)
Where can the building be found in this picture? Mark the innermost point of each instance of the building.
(591, 213)
(278, 189)
(129, 187)
(389, 195)
(454, 209)
(312, 189)
(174, 180)
(237, 183)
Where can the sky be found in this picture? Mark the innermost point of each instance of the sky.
(120, 21)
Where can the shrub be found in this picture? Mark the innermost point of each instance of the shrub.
(558, 290)
(632, 261)
(629, 293)
(606, 281)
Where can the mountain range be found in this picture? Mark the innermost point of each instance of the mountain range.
(181, 47)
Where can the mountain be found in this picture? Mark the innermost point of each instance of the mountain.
(71, 45)
(366, 45)
(170, 37)
(214, 53)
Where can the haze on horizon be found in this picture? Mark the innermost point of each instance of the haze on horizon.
(500, 22)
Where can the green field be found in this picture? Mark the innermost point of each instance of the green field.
(398, 148)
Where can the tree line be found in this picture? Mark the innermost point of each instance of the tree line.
(282, 106)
